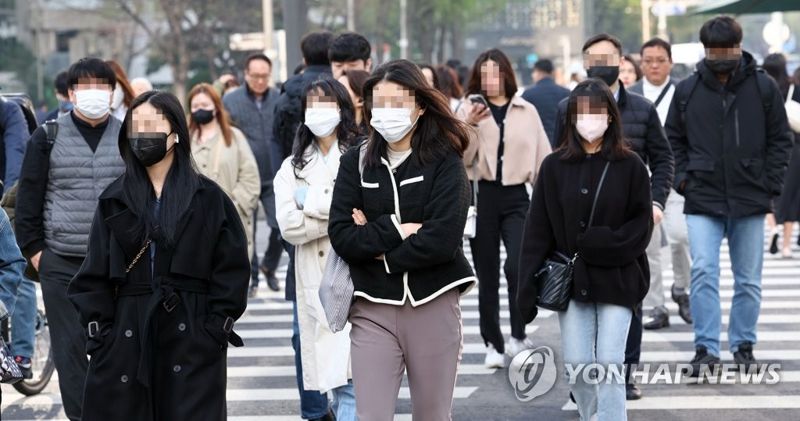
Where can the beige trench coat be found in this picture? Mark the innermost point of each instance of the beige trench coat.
(325, 355)
(234, 169)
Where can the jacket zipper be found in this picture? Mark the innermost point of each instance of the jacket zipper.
(736, 125)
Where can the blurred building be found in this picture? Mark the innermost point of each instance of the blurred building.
(60, 32)
(511, 30)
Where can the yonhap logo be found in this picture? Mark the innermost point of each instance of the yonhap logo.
(532, 373)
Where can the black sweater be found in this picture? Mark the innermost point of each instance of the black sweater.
(422, 266)
(612, 266)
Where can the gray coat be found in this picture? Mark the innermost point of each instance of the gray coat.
(255, 123)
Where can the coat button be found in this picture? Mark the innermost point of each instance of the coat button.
(583, 224)
(124, 379)
(321, 253)
(177, 368)
(326, 191)
(128, 333)
(584, 191)
(182, 327)
(583, 292)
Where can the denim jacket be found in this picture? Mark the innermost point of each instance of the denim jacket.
(12, 265)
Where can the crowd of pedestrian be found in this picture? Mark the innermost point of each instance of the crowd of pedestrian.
(137, 217)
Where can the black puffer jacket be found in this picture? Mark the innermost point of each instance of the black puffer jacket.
(731, 148)
(645, 135)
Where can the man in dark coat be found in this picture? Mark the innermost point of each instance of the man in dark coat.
(545, 95)
(159, 328)
(251, 109)
(645, 135)
(728, 128)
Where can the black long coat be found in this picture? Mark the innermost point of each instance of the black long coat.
(159, 352)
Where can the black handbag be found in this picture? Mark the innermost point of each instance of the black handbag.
(554, 279)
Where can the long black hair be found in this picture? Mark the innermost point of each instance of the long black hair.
(437, 130)
(182, 179)
(346, 131)
(775, 66)
(614, 146)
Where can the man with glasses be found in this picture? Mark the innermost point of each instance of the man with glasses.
(658, 87)
(646, 137)
(728, 129)
(251, 107)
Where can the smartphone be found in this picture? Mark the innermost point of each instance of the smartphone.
(478, 99)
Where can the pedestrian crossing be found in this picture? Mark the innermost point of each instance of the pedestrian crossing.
(262, 385)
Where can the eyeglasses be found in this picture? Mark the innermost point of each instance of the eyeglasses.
(651, 61)
(258, 77)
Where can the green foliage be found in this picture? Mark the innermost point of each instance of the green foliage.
(18, 59)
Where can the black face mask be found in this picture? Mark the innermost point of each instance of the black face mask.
(203, 116)
(723, 66)
(608, 74)
(149, 148)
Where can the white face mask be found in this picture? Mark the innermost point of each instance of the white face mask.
(322, 121)
(591, 126)
(93, 103)
(392, 123)
(117, 97)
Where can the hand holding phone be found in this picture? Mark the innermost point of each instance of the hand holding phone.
(479, 109)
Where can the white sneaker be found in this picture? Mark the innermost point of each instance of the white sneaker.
(494, 359)
(515, 346)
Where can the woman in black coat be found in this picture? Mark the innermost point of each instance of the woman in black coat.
(611, 273)
(164, 279)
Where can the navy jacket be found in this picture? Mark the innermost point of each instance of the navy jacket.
(14, 136)
(545, 96)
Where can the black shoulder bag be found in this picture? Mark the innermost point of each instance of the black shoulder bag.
(554, 279)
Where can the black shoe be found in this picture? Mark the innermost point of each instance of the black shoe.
(632, 392)
(272, 280)
(744, 357)
(680, 296)
(703, 361)
(659, 319)
(773, 245)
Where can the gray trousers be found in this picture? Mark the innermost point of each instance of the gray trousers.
(674, 224)
(425, 341)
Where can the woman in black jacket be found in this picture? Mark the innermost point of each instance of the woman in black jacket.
(164, 279)
(611, 273)
(397, 218)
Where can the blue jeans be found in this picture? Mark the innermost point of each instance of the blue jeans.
(596, 333)
(746, 241)
(344, 402)
(312, 403)
(23, 321)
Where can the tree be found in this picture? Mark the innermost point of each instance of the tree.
(186, 33)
